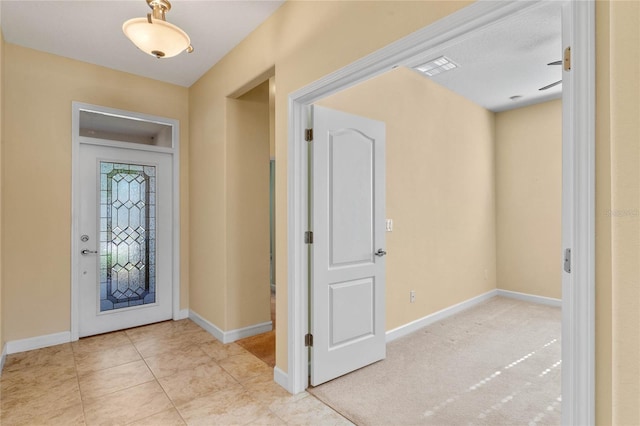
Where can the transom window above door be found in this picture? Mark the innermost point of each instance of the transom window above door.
(101, 125)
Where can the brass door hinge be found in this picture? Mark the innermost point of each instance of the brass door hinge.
(308, 237)
(308, 135)
(308, 339)
(567, 59)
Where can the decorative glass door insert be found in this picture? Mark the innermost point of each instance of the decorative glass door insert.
(127, 235)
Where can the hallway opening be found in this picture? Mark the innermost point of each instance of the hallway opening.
(251, 119)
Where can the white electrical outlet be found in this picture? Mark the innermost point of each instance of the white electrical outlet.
(412, 296)
(389, 225)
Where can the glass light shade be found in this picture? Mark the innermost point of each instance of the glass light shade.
(160, 39)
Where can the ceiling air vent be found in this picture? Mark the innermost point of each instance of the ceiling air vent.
(437, 66)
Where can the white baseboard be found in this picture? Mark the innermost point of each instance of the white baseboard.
(22, 345)
(182, 314)
(252, 330)
(3, 358)
(208, 326)
(542, 300)
(281, 378)
(409, 328)
(231, 335)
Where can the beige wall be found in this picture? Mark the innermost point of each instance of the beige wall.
(424, 182)
(617, 213)
(440, 191)
(604, 401)
(625, 209)
(39, 89)
(529, 199)
(247, 165)
(272, 118)
(304, 41)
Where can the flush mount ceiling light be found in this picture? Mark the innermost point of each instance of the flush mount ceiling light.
(154, 35)
(437, 66)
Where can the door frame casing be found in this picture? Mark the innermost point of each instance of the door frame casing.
(578, 343)
(174, 151)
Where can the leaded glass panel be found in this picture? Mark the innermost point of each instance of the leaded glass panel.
(127, 235)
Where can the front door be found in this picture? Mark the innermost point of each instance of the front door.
(125, 259)
(348, 263)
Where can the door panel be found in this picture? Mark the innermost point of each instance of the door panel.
(350, 189)
(125, 265)
(348, 279)
(346, 324)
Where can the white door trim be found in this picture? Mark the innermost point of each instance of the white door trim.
(578, 299)
(174, 151)
(578, 216)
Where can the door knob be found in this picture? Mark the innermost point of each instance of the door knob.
(380, 253)
(86, 252)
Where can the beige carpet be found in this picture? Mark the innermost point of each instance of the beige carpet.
(495, 364)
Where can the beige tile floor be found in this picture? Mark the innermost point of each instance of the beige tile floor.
(170, 373)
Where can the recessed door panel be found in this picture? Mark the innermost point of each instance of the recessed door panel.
(351, 170)
(352, 311)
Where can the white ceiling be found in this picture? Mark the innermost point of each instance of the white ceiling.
(509, 58)
(91, 31)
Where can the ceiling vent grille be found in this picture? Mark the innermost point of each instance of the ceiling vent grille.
(437, 66)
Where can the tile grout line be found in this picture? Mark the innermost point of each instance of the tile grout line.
(198, 345)
(82, 400)
(332, 408)
(157, 381)
(117, 366)
(263, 406)
(75, 367)
(237, 381)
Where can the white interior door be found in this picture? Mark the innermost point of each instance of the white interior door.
(348, 263)
(125, 258)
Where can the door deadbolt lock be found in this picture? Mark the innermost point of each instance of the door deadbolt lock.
(84, 238)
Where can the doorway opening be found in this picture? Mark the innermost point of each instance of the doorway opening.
(443, 200)
(251, 160)
(578, 209)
